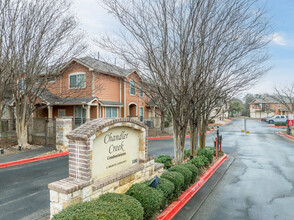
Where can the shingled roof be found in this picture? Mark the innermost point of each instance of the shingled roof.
(54, 100)
(101, 66)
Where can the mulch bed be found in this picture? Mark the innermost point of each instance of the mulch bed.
(7, 142)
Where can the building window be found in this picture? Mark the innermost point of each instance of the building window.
(141, 113)
(61, 113)
(132, 87)
(77, 81)
(279, 105)
(141, 91)
(111, 112)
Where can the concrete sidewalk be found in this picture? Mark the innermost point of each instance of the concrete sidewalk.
(189, 210)
(25, 154)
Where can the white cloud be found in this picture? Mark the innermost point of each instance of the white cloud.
(277, 38)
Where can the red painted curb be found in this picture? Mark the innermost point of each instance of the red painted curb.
(286, 135)
(18, 162)
(273, 126)
(176, 206)
(170, 137)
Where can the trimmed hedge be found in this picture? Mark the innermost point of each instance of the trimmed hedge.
(205, 160)
(208, 153)
(131, 206)
(167, 187)
(177, 179)
(185, 172)
(150, 198)
(165, 159)
(279, 123)
(198, 162)
(193, 169)
(95, 209)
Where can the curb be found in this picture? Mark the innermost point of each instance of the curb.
(176, 206)
(18, 162)
(170, 137)
(286, 135)
(273, 126)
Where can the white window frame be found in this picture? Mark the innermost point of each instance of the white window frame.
(61, 110)
(74, 74)
(132, 86)
(111, 111)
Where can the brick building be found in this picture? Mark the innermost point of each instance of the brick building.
(87, 88)
(263, 107)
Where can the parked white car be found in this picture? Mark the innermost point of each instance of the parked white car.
(278, 118)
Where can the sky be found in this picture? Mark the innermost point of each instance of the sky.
(96, 22)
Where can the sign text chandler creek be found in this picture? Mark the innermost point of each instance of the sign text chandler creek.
(114, 151)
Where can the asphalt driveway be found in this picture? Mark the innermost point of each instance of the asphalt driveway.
(259, 183)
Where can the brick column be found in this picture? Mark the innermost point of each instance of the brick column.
(63, 127)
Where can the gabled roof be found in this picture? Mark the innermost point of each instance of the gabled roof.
(101, 66)
(265, 100)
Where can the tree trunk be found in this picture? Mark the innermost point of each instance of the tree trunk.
(202, 133)
(193, 138)
(179, 143)
(162, 123)
(22, 135)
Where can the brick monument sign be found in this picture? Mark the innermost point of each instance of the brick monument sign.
(105, 155)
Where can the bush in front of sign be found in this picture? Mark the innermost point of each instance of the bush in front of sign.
(167, 188)
(177, 179)
(193, 169)
(198, 162)
(165, 159)
(205, 160)
(185, 172)
(93, 210)
(130, 205)
(150, 198)
(207, 152)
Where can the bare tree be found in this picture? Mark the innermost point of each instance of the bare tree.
(285, 96)
(194, 52)
(5, 78)
(39, 37)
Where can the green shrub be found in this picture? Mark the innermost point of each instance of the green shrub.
(211, 121)
(208, 153)
(95, 209)
(193, 169)
(186, 153)
(166, 124)
(131, 206)
(197, 161)
(177, 179)
(167, 187)
(279, 123)
(150, 198)
(185, 172)
(205, 160)
(165, 159)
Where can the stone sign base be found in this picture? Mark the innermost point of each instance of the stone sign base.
(69, 191)
(105, 155)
